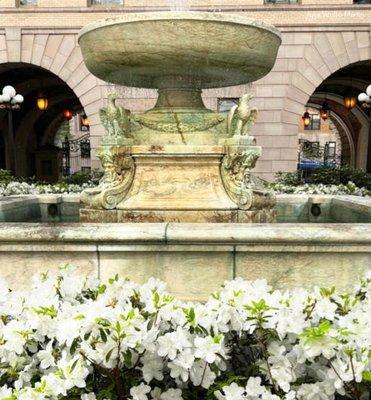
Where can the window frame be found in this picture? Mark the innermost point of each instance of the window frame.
(311, 126)
(92, 4)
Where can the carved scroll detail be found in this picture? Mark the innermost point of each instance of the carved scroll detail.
(235, 170)
(119, 169)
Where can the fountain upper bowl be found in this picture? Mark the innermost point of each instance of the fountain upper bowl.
(167, 49)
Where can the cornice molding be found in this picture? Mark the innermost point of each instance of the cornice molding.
(252, 8)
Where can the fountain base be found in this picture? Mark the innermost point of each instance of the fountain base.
(178, 183)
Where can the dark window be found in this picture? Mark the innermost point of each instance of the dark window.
(315, 123)
(85, 149)
(331, 149)
(28, 2)
(86, 170)
(225, 104)
(281, 1)
(361, 1)
(107, 2)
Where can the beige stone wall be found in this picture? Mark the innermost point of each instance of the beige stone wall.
(165, 3)
(8, 3)
(193, 259)
(317, 41)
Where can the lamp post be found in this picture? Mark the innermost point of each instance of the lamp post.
(365, 100)
(9, 101)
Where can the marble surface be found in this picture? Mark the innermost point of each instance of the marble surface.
(193, 259)
(213, 49)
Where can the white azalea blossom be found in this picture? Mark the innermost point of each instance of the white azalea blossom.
(72, 337)
(140, 392)
(318, 188)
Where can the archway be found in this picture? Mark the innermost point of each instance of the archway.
(34, 129)
(2, 152)
(352, 124)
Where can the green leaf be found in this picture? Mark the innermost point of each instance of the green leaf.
(366, 376)
(156, 298)
(108, 355)
(103, 335)
(74, 364)
(74, 346)
(127, 358)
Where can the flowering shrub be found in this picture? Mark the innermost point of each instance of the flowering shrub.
(75, 183)
(76, 338)
(23, 188)
(311, 188)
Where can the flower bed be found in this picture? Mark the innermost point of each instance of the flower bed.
(319, 188)
(70, 337)
(23, 188)
(334, 181)
(75, 183)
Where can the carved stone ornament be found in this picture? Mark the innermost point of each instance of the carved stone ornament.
(241, 117)
(235, 170)
(119, 169)
(115, 119)
(178, 123)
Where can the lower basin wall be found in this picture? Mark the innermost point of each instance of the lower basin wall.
(290, 208)
(193, 259)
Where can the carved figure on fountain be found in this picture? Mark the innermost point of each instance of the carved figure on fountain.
(240, 159)
(242, 117)
(119, 169)
(116, 121)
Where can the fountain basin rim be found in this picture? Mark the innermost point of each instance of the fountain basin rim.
(177, 15)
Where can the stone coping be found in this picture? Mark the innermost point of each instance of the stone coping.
(188, 233)
(281, 198)
(19, 200)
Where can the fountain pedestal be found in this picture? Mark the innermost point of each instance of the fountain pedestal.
(177, 183)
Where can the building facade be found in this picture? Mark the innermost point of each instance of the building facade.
(325, 56)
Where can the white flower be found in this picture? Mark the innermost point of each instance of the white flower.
(254, 387)
(88, 396)
(172, 342)
(152, 367)
(207, 348)
(46, 357)
(140, 392)
(180, 366)
(5, 392)
(231, 392)
(201, 374)
(172, 394)
(315, 391)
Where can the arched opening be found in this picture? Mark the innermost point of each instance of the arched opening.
(34, 130)
(351, 124)
(2, 152)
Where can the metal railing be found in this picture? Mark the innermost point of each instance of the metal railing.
(75, 155)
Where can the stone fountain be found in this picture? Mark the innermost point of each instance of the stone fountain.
(179, 162)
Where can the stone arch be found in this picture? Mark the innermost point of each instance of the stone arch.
(59, 53)
(344, 132)
(323, 57)
(327, 53)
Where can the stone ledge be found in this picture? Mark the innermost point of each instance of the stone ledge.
(189, 233)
